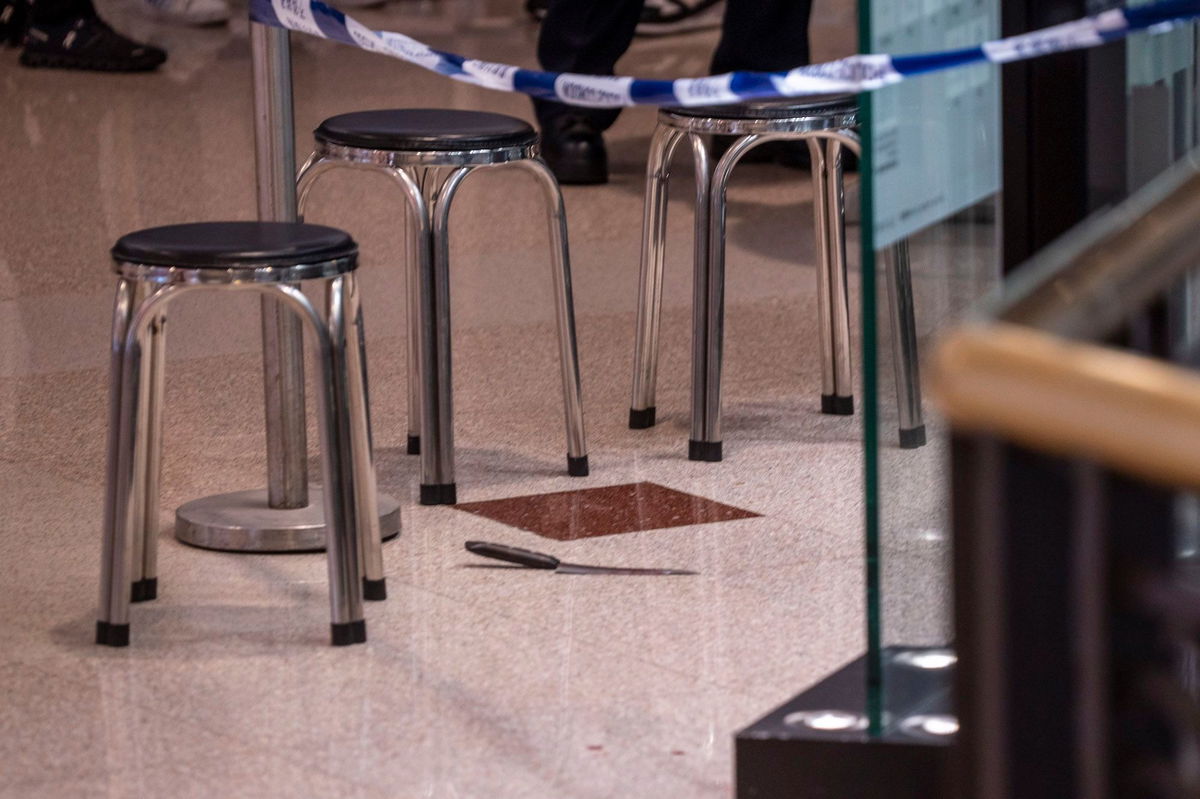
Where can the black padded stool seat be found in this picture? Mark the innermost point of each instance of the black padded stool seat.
(774, 109)
(439, 129)
(222, 245)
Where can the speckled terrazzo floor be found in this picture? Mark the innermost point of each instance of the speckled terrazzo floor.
(475, 682)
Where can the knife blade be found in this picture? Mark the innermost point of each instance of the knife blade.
(540, 560)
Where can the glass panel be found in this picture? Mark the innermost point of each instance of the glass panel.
(1161, 88)
(931, 249)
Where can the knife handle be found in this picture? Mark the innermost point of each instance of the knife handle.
(523, 557)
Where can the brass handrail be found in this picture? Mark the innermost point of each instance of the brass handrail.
(1074, 399)
(1034, 374)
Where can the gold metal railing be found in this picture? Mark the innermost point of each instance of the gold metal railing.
(1033, 373)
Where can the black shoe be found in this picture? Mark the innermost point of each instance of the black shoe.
(87, 43)
(665, 17)
(12, 21)
(575, 152)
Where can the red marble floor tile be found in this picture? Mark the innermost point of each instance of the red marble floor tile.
(610, 510)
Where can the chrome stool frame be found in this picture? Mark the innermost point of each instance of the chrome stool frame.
(355, 558)
(430, 179)
(828, 129)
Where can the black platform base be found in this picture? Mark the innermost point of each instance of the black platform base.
(112, 634)
(439, 494)
(354, 632)
(577, 467)
(144, 590)
(641, 420)
(912, 439)
(414, 445)
(375, 590)
(779, 757)
(708, 451)
(834, 405)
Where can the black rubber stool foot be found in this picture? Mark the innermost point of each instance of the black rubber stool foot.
(439, 494)
(912, 439)
(112, 634)
(708, 451)
(577, 467)
(414, 445)
(354, 632)
(641, 420)
(834, 405)
(375, 590)
(144, 590)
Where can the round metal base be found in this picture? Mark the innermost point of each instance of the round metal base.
(244, 522)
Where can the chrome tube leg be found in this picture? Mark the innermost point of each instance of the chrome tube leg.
(708, 312)
(437, 395)
(306, 178)
(412, 279)
(904, 346)
(112, 626)
(343, 525)
(149, 464)
(705, 441)
(816, 148)
(649, 309)
(837, 393)
(363, 446)
(564, 305)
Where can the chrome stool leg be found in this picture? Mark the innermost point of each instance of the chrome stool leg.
(412, 280)
(654, 236)
(148, 467)
(708, 312)
(132, 391)
(112, 628)
(904, 346)
(705, 441)
(437, 390)
(564, 304)
(833, 301)
(366, 495)
(342, 455)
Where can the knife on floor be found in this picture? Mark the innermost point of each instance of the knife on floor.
(539, 560)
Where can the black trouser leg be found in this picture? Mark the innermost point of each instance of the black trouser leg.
(587, 37)
(763, 36)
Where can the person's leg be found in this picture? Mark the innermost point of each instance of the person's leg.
(768, 36)
(763, 35)
(586, 37)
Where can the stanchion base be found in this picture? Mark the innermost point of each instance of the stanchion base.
(244, 522)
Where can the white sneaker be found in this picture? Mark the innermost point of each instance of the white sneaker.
(189, 12)
(665, 17)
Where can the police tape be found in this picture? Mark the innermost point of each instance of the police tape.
(858, 73)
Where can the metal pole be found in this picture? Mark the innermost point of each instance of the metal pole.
(284, 517)
(283, 342)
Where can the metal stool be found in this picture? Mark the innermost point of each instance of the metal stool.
(156, 266)
(429, 152)
(827, 124)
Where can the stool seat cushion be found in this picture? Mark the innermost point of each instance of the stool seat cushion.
(774, 109)
(426, 129)
(224, 245)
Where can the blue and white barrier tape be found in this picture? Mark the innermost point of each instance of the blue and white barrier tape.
(855, 74)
